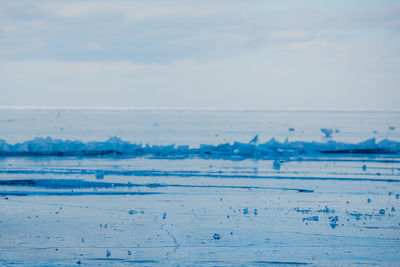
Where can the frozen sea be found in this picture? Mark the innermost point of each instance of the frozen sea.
(196, 187)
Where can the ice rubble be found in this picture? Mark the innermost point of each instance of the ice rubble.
(115, 146)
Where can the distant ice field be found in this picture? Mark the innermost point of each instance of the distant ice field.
(195, 127)
(193, 187)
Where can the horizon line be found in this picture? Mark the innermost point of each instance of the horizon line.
(166, 108)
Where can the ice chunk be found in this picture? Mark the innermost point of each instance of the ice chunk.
(326, 210)
(276, 164)
(328, 132)
(254, 141)
(333, 221)
(364, 167)
(313, 218)
(99, 175)
(216, 236)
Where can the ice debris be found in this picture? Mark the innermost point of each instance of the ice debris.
(216, 236)
(304, 211)
(115, 146)
(356, 215)
(364, 167)
(254, 141)
(313, 218)
(277, 164)
(326, 210)
(333, 221)
(99, 174)
(328, 132)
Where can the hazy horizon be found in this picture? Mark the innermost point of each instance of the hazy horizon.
(193, 108)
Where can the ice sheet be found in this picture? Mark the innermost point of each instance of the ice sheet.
(241, 201)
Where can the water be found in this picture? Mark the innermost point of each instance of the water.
(118, 210)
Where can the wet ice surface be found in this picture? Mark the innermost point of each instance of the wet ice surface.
(56, 211)
(117, 210)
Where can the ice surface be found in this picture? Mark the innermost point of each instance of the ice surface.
(310, 211)
(205, 201)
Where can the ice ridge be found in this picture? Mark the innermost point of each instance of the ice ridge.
(115, 146)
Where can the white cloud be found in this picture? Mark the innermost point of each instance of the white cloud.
(260, 80)
(199, 52)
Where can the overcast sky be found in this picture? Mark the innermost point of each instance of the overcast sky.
(247, 54)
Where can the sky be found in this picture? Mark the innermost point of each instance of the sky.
(320, 54)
